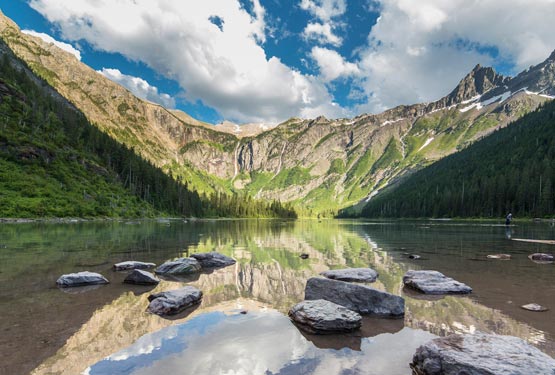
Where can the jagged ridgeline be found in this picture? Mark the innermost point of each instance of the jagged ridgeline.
(53, 162)
(512, 170)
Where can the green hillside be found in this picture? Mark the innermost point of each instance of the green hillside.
(54, 163)
(512, 170)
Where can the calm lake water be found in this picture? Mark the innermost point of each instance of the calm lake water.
(46, 330)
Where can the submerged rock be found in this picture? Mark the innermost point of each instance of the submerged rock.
(141, 277)
(132, 265)
(480, 354)
(434, 282)
(213, 260)
(174, 301)
(321, 316)
(179, 267)
(499, 256)
(534, 307)
(80, 279)
(360, 298)
(352, 274)
(541, 258)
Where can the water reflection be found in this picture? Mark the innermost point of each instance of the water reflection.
(269, 277)
(257, 343)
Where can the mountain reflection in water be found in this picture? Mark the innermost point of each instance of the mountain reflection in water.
(108, 331)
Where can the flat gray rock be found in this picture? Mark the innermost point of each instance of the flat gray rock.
(367, 275)
(80, 279)
(141, 277)
(360, 298)
(132, 265)
(499, 256)
(213, 260)
(480, 354)
(541, 258)
(321, 316)
(534, 307)
(434, 282)
(179, 267)
(174, 301)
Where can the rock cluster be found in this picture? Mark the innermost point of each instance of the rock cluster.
(332, 305)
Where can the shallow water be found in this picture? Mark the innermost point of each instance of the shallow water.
(107, 331)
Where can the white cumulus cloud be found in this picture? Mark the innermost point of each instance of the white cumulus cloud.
(139, 87)
(321, 33)
(332, 65)
(48, 39)
(419, 50)
(226, 69)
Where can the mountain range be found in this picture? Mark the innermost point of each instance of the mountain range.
(320, 165)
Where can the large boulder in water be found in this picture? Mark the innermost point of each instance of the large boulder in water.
(141, 277)
(213, 260)
(434, 282)
(360, 298)
(365, 275)
(174, 301)
(321, 316)
(480, 354)
(179, 266)
(132, 265)
(80, 279)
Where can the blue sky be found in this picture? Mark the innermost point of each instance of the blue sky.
(268, 60)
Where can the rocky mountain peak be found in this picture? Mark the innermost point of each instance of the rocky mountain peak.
(479, 81)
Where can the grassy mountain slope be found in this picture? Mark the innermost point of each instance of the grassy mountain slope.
(44, 169)
(512, 170)
(54, 163)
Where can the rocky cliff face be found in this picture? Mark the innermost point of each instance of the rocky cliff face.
(321, 164)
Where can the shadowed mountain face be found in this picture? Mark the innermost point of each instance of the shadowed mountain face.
(321, 164)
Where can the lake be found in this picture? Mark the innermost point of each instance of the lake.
(106, 330)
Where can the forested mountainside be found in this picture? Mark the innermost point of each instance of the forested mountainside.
(319, 165)
(512, 170)
(54, 163)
